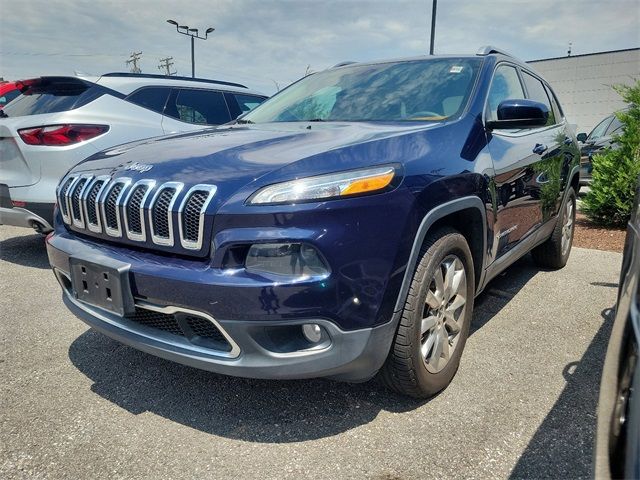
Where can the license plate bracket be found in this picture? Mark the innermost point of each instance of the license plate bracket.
(102, 285)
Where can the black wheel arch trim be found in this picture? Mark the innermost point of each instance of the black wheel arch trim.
(437, 213)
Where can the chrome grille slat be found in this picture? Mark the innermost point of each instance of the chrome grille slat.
(110, 206)
(191, 215)
(134, 223)
(76, 195)
(90, 202)
(160, 213)
(62, 199)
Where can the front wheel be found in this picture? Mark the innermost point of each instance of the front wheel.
(554, 253)
(435, 319)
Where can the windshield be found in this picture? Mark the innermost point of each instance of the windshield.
(420, 90)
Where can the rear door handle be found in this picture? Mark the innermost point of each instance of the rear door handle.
(540, 148)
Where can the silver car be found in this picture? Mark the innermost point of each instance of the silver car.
(59, 121)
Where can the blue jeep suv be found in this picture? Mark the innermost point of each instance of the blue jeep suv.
(341, 229)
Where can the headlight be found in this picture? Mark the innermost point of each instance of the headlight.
(325, 186)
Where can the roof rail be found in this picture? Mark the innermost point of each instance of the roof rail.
(344, 64)
(165, 77)
(489, 49)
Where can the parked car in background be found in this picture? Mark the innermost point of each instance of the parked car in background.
(340, 229)
(8, 91)
(618, 434)
(600, 138)
(59, 121)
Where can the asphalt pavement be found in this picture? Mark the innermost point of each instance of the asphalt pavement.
(75, 404)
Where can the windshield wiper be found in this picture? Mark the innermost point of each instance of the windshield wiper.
(241, 121)
(315, 120)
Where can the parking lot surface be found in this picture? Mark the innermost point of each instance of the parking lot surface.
(75, 404)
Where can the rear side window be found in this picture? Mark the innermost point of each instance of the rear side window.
(537, 92)
(504, 86)
(153, 98)
(206, 107)
(51, 97)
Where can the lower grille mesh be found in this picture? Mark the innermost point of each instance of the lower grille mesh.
(195, 329)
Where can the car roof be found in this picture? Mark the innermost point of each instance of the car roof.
(127, 83)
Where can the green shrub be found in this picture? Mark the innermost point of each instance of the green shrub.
(615, 172)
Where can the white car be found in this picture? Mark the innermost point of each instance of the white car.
(59, 121)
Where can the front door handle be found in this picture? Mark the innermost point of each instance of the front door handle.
(540, 148)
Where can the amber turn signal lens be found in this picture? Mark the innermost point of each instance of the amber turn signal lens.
(368, 184)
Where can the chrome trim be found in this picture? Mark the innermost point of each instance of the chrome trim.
(169, 309)
(138, 237)
(161, 240)
(65, 199)
(114, 232)
(97, 228)
(79, 222)
(190, 244)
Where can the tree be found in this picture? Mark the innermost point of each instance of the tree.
(615, 171)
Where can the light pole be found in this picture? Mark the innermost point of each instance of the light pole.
(193, 33)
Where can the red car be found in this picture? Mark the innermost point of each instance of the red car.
(8, 91)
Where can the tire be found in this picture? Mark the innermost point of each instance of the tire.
(555, 251)
(414, 367)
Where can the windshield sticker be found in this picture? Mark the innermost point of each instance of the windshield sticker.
(456, 69)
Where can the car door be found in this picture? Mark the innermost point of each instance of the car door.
(522, 160)
(194, 108)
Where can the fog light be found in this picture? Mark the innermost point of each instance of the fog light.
(312, 332)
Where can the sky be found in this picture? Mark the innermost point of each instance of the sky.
(267, 44)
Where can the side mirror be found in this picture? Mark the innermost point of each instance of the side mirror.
(581, 137)
(520, 113)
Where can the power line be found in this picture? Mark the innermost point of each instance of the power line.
(166, 64)
(133, 60)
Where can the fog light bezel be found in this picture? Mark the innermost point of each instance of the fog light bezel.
(278, 275)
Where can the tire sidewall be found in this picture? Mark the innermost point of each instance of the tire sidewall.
(449, 243)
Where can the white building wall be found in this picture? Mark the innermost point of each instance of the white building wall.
(583, 83)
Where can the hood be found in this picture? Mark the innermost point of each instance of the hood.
(234, 156)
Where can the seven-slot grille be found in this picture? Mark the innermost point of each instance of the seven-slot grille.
(121, 208)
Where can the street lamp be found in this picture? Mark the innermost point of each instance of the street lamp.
(193, 33)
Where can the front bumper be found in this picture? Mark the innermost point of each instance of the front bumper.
(259, 347)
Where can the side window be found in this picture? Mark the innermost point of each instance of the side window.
(152, 98)
(205, 107)
(7, 97)
(248, 102)
(557, 109)
(536, 92)
(505, 85)
(599, 130)
(615, 128)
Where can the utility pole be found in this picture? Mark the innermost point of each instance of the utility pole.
(166, 64)
(434, 5)
(133, 61)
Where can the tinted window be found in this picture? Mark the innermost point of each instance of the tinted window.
(537, 92)
(247, 102)
(504, 86)
(52, 98)
(423, 90)
(8, 96)
(615, 128)
(598, 130)
(152, 98)
(204, 107)
(557, 109)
